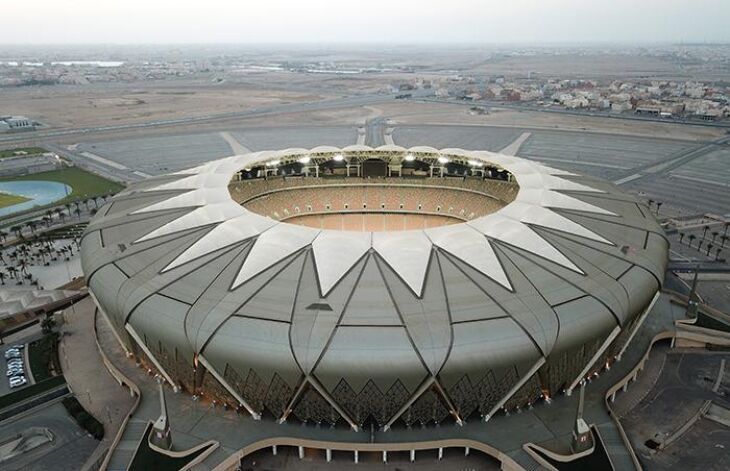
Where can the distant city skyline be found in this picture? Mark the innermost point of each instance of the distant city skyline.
(377, 21)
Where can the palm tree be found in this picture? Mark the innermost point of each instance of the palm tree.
(714, 234)
(18, 231)
(681, 236)
(658, 205)
(32, 225)
(724, 239)
(12, 271)
(23, 264)
(77, 212)
(704, 232)
(2, 278)
(717, 253)
(692, 237)
(47, 324)
(709, 247)
(699, 245)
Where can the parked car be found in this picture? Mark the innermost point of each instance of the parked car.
(12, 353)
(17, 381)
(19, 346)
(15, 366)
(14, 360)
(14, 372)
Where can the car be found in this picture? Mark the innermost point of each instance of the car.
(19, 346)
(17, 381)
(15, 364)
(14, 360)
(14, 372)
(12, 354)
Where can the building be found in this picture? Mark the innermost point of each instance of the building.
(11, 123)
(381, 301)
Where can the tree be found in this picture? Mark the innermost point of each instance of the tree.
(714, 234)
(681, 236)
(717, 253)
(704, 231)
(18, 230)
(658, 206)
(699, 245)
(724, 239)
(709, 247)
(692, 237)
(48, 324)
(2, 278)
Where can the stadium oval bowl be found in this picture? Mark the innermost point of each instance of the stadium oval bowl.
(531, 286)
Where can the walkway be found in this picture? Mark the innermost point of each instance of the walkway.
(236, 147)
(86, 375)
(514, 147)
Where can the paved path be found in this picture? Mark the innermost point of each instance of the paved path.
(514, 147)
(236, 147)
(86, 375)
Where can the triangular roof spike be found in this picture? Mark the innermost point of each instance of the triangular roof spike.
(336, 252)
(467, 244)
(273, 246)
(227, 233)
(407, 253)
(510, 231)
(210, 214)
(552, 199)
(530, 214)
(190, 199)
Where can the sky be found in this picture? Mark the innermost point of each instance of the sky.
(370, 21)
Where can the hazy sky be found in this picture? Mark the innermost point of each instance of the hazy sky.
(394, 21)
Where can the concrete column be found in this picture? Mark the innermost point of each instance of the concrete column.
(274, 450)
(441, 453)
(385, 456)
(357, 457)
(613, 396)
(413, 456)
(626, 386)
(466, 451)
(329, 455)
(301, 452)
(633, 378)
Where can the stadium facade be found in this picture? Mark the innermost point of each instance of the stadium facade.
(431, 285)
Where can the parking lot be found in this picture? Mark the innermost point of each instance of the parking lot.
(4, 383)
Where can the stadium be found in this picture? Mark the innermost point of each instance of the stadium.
(374, 287)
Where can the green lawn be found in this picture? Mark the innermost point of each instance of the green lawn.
(27, 150)
(83, 183)
(9, 199)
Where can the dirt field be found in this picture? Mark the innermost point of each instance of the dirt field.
(93, 105)
(410, 113)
